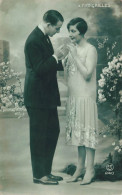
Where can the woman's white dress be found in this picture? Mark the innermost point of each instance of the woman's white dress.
(82, 117)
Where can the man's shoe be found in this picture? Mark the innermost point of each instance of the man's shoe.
(45, 181)
(56, 178)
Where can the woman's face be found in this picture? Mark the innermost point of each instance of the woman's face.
(74, 34)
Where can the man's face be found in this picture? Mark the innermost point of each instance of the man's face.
(53, 29)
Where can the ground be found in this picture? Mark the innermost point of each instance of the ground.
(15, 164)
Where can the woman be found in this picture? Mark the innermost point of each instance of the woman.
(81, 128)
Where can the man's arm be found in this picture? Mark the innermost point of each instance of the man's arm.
(40, 64)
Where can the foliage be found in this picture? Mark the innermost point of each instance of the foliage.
(11, 96)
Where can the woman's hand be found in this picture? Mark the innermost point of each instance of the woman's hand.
(72, 50)
(64, 61)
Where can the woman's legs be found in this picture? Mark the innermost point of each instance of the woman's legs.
(80, 165)
(90, 172)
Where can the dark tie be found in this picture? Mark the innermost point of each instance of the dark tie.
(48, 39)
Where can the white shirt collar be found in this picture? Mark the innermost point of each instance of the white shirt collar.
(41, 28)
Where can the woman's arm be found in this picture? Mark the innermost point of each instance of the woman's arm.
(91, 61)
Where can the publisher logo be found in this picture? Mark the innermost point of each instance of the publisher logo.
(109, 168)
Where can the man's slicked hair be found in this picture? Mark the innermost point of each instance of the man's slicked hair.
(52, 16)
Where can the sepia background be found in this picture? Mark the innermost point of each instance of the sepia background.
(17, 19)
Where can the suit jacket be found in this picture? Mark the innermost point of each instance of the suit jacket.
(41, 88)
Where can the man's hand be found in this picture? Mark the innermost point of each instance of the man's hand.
(59, 53)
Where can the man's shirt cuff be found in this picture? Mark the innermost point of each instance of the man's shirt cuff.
(55, 58)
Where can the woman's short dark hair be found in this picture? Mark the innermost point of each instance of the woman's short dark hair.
(80, 23)
(53, 16)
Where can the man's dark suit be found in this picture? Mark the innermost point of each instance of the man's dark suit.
(41, 98)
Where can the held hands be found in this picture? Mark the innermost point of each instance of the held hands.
(60, 52)
(72, 50)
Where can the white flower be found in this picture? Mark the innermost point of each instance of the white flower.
(112, 88)
(120, 142)
(120, 92)
(121, 100)
(111, 65)
(2, 63)
(111, 73)
(115, 81)
(116, 148)
(101, 75)
(105, 70)
(101, 82)
(8, 104)
(120, 59)
(10, 96)
(100, 91)
(120, 75)
(118, 65)
(8, 87)
(101, 96)
(119, 150)
(104, 99)
(115, 60)
(104, 136)
(113, 144)
(16, 104)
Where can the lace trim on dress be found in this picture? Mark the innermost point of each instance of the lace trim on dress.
(70, 66)
(84, 133)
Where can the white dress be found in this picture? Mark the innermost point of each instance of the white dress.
(82, 117)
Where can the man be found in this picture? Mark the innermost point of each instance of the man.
(41, 96)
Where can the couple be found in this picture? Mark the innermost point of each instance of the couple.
(41, 97)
